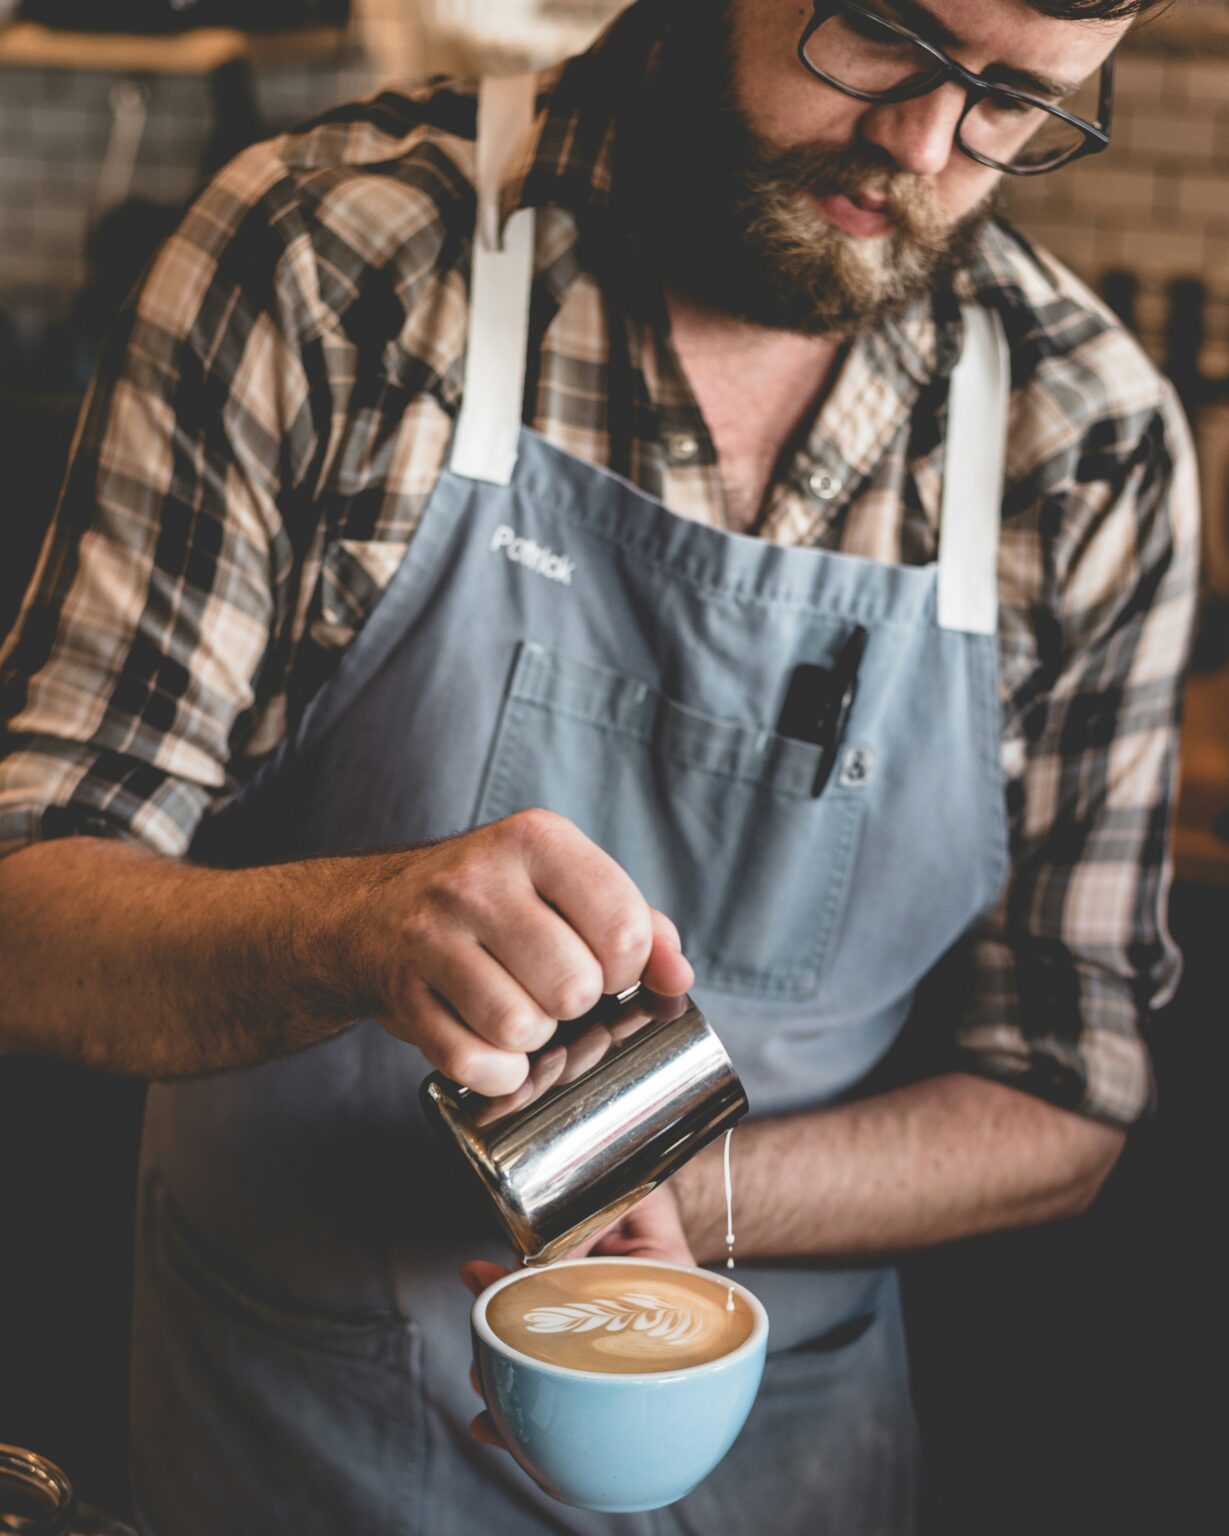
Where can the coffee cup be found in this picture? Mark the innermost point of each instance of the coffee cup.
(618, 1384)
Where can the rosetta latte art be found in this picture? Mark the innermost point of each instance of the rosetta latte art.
(615, 1315)
(635, 1310)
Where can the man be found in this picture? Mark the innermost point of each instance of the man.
(746, 256)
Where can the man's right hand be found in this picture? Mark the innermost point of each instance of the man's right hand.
(489, 938)
(470, 949)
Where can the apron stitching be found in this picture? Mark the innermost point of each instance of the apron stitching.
(495, 799)
(838, 890)
(769, 779)
(637, 543)
(986, 673)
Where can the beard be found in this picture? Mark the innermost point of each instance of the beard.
(788, 268)
(727, 219)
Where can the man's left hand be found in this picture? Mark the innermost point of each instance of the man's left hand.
(653, 1229)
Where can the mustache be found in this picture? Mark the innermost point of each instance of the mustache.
(907, 200)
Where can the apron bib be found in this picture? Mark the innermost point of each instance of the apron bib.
(554, 637)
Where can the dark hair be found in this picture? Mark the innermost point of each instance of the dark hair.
(1094, 10)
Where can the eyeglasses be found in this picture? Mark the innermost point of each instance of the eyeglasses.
(863, 54)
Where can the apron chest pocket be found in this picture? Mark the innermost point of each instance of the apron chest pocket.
(714, 820)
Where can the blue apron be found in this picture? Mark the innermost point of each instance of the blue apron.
(554, 637)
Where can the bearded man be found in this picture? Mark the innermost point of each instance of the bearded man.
(847, 645)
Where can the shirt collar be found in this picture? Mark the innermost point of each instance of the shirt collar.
(927, 338)
(568, 159)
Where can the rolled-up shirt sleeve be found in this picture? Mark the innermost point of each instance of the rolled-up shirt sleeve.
(137, 661)
(1059, 981)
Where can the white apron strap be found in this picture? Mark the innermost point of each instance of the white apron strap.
(488, 428)
(973, 478)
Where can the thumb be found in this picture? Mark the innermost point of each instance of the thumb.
(670, 1248)
(668, 972)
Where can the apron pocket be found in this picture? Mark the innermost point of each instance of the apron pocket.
(714, 820)
(248, 1416)
(829, 1449)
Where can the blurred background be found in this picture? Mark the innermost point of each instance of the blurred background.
(1058, 1374)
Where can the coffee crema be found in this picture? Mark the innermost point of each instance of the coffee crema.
(620, 1318)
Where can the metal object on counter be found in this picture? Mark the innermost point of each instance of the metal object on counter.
(37, 1499)
(35, 1496)
(614, 1104)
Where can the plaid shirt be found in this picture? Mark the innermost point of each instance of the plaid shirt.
(276, 404)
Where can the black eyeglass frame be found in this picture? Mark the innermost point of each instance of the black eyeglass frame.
(1096, 135)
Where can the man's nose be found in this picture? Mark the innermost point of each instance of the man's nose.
(920, 134)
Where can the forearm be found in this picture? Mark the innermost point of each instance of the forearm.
(131, 963)
(469, 948)
(939, 1160)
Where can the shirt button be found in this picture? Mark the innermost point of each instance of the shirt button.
(683, 448)
(823, 487)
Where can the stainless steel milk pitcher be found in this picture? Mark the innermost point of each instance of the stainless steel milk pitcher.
(615, 1103)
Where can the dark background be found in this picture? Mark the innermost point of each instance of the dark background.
(1065, 1377)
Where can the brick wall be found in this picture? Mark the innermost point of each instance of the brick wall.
(55, 124)
(1156, 203)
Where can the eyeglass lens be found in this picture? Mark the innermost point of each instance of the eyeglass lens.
(857, 52)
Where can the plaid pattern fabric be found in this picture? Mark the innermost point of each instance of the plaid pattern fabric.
(275, 406)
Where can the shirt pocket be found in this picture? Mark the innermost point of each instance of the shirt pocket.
(716, 822)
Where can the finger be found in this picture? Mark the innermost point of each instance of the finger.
(429, 1023)
(482, 991)
(477, 1274)
(651, 1229)
(545, 1069)
(648, 1237)
(592, 893)
(640, 1245)
(483, 1429)
(668, 970)
(545, 954)
(584, 1052)
(473, 1380)
(666, 928)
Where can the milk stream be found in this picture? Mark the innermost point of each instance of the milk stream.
(729, 1217)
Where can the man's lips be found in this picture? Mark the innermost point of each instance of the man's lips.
(860, 216)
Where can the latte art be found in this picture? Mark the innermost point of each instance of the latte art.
(642, 1314)
(621, 1318)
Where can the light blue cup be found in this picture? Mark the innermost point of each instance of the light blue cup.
(610, 1442)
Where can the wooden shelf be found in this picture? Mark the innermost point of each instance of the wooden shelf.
(200, 51)
(1200, 855)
